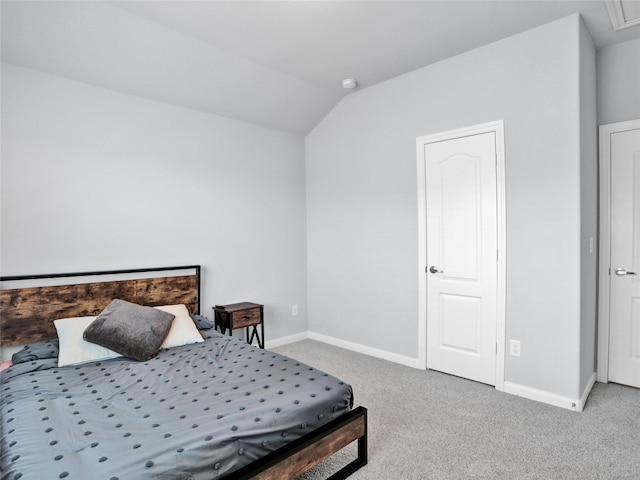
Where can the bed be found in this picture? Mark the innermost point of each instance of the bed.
(213, 408)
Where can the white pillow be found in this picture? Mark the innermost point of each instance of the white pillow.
(183, 331)
(73, 349)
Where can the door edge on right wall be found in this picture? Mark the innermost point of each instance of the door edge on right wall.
(604, 252)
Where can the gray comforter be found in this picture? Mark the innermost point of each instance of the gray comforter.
(193, 412)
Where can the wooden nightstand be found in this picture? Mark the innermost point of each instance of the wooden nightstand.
(239, 315)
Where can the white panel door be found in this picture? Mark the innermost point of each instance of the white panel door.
(461, 211)
(624, 333)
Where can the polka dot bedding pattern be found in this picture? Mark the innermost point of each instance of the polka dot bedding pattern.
(198, 411)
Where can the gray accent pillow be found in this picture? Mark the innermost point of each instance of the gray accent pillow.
(202, 323)
(132, 330)
(36, 351)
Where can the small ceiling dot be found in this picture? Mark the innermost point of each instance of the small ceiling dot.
(349, 83)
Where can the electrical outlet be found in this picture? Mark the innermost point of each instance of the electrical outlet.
(514, 348)
(294, 310)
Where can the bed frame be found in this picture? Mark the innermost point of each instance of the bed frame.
(26, 316)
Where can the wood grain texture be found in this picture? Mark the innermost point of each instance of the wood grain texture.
(27, 314)
(310, 456)
(246, 318)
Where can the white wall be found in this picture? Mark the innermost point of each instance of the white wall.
(362, 200)
(618, 80)
(588, 209)
(93, 179)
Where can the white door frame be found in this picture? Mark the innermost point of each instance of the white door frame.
(604, 264)
(497, 128)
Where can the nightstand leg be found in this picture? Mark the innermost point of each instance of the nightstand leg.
(261, 339)
(256, 335)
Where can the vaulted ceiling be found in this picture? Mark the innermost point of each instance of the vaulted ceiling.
(273, 63)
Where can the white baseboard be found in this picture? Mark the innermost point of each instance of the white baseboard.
(278, 342)
(336, 342)
(592, 381)
(372, 352)
(575, 404)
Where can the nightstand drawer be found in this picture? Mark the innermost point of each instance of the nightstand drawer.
(246, 318)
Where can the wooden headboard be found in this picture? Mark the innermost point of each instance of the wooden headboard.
(27, 313)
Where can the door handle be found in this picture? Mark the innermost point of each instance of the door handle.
(621, 272)
(433, 269)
